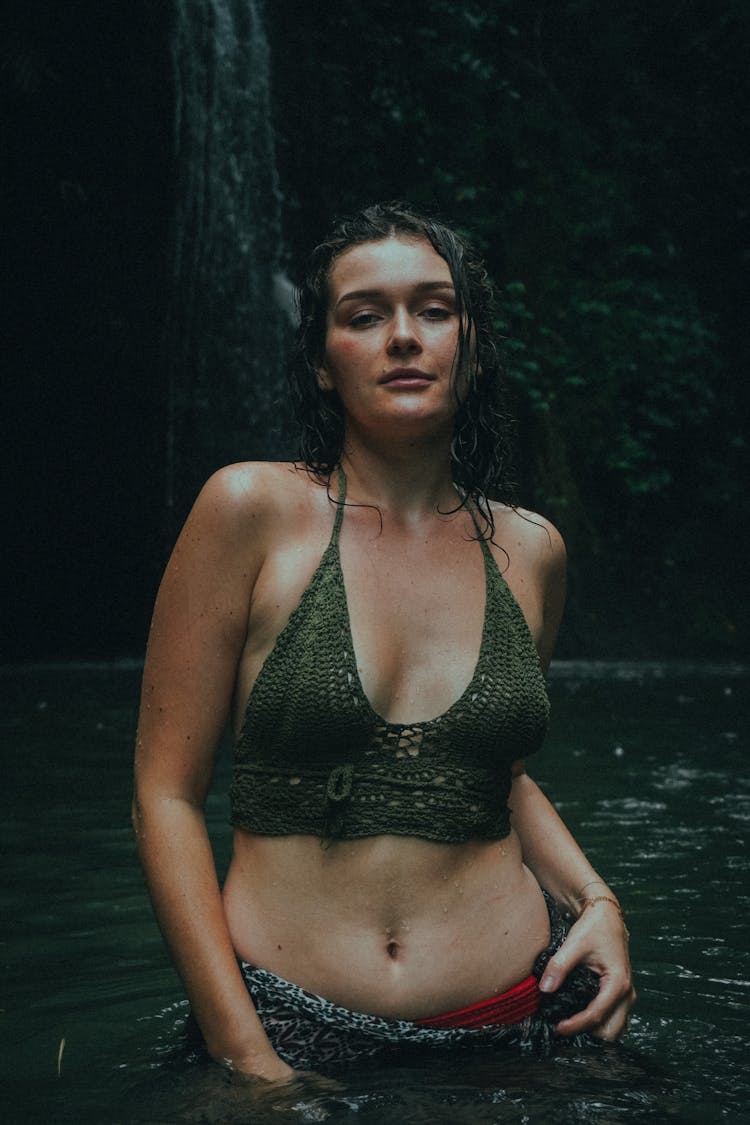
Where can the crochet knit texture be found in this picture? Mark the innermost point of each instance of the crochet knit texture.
(314, 758)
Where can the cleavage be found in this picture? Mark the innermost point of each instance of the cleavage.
(416, 637)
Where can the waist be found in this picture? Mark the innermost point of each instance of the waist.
(400, 928)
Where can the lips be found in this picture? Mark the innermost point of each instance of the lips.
(406, 376)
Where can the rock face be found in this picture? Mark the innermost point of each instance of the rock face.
(225, 332)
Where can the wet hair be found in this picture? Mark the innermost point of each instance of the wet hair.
(480, 448)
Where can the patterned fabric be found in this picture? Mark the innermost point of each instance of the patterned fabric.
(314, 758)
(311, 1033)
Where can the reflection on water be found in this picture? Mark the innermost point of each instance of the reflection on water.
(646, 763)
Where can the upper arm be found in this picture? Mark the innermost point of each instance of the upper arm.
(553, 570)
(535, 571)
(196, 639)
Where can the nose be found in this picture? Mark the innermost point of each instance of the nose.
(404, 336)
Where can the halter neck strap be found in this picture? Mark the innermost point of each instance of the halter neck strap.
(340, 503)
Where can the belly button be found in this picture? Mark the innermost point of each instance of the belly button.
(392, 948)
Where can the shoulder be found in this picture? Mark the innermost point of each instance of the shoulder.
(533, 553)
(243, 511)
(529, 539)
(242, 515)
(251, 494)
(251, 485)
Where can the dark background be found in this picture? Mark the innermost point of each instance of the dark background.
(595, 151)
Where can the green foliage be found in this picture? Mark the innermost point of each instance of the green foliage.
(626, 366)
(588, 150)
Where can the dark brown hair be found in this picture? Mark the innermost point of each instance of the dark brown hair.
(480, 449)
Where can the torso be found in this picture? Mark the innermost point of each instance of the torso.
(397, 926)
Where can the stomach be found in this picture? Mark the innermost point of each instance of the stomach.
(394, 926)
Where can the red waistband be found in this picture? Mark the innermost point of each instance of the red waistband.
(509, 1007)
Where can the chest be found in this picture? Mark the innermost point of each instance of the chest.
(410, 596)
(414, 605)
(417, 613)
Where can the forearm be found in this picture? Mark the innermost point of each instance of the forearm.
(178, 864)
(599, 939)
(550, 851)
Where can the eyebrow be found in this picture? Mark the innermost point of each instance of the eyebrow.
(422, 287)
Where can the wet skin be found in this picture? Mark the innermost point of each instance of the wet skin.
(395, 926)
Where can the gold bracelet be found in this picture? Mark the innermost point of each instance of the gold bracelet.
(605, 898)
(590, 883)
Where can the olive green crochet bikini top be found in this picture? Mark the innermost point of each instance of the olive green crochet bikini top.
(314, 758)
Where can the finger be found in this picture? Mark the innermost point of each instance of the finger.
(556, 971)
(614, 1026)
(605, 1017)
(598, 1011)
(588, 1022)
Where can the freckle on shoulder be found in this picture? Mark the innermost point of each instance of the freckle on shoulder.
(531, 531)
(252, 487)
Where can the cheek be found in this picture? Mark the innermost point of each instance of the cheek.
(343, 354)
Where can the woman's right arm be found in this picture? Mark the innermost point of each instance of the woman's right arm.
(197, 637)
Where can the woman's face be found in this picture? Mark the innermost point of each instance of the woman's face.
(392, 334)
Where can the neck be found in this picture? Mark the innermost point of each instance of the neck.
(410, 481)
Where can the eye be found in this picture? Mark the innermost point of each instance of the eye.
(363, 320)
(437, 312)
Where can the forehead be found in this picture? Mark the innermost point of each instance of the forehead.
(398, 261)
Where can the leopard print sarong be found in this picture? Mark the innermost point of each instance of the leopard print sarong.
(311, 1033)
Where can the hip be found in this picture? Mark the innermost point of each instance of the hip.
(398, 928)
(311, 1032)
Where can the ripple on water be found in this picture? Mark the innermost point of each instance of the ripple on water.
(666, 821)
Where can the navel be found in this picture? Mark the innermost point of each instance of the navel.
(392, 947)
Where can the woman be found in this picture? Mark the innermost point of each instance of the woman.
(377, 630)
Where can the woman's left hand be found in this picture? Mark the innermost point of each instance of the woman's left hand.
(598, 940)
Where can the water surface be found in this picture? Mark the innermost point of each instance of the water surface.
(647, 764)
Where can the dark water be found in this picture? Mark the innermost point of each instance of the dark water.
(647, 763)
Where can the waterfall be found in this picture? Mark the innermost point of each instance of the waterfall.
(225, 332)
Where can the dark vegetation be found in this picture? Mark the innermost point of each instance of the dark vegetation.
(595, 152)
